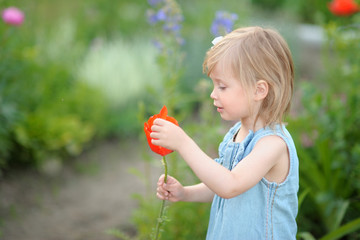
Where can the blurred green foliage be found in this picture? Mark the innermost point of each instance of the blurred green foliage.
(55, 98)
(80, 71)
(328, 138)
(306, 11)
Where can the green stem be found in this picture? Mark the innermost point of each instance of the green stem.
(160, 218)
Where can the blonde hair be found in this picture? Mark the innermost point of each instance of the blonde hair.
(253, 54)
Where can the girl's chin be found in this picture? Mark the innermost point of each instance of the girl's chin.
(227, 117)
(224, 116)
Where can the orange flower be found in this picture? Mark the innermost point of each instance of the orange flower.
(147, 128)
(343, 7)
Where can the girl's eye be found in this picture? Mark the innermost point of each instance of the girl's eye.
(222, 87)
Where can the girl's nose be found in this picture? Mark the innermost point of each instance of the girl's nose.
(212, 94)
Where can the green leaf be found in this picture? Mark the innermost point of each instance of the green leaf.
(118, 234)
(305, 236)
(340, 213)
(343, 230)
(302, 196)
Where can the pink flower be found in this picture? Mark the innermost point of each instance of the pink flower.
(13, 16)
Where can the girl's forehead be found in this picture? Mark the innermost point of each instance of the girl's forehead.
(221, 71)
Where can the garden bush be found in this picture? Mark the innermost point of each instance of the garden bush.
(50, 106)
(328, 139)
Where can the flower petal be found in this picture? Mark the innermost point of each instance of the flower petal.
(163, 112)
(173, 120)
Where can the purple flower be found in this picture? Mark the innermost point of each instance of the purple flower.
(172, 27)
(13, 16)
(151, 17)
(166, 14)
(155, 17)
(223, 23)
(154, 2)
(161, 15)
(159, 45)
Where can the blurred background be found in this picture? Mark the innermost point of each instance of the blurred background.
(79, 78)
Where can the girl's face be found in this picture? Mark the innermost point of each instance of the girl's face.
(229, 96)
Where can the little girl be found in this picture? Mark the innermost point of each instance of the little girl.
(253, 184)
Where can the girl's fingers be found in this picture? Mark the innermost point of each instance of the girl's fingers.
(154, 141)
(160, 196)
(155, 128)
(157, 124)
(170, 180)
(162, 191)
(154, 135)
(164, 195)
(161, 180)
(159, 121)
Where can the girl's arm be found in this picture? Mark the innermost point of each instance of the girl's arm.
(199, 193)
(223, 182)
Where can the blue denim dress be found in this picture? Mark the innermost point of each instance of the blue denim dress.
(266, 211)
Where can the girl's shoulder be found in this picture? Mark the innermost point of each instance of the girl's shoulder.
(278, 135)
(277, 130)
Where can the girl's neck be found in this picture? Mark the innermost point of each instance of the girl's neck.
(246, 126)
(250, 124)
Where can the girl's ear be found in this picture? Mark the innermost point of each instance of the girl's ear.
(261, 90)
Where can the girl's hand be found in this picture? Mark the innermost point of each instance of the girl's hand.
(172, 190)
(167, 135)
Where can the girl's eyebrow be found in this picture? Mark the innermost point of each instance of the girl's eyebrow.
(219, 80)
(216, 79)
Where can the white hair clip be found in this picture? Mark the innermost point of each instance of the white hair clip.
(216, 40)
